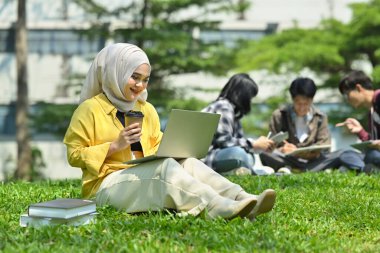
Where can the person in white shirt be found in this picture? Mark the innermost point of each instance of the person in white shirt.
(307, 126)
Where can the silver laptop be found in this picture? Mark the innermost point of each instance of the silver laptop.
(187, 134)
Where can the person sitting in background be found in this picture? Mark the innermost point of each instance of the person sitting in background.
(358, 91)
(307, 126)
(230, 151)
(99, 142)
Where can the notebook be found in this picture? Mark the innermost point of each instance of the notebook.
(309, 149)
(362, 146)
(187, 134)
(63, 208)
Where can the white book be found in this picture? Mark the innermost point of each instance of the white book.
(62, 208)
(31, 221)
(279, 137)
(309, 149)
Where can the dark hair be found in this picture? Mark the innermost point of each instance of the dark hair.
(303, 86)
(350, 81)
(239, 90)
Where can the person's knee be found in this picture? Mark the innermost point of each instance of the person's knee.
(372, 156)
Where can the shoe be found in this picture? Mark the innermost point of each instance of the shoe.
(242, 171)
(263, 170)
(343, 169)
(229, 209)
(245, 195)
(265, 203)
(367, 169)
(284, 170)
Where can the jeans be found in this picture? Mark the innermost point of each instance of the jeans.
(347, 158)
(372, 156)
(231, 158)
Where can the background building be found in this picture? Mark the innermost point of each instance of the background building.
(58, 49)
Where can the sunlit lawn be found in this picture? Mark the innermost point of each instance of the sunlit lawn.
(314, 213)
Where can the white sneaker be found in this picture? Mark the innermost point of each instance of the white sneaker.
(263, 170)
(284, 170)
(343, 169)
(242, 171)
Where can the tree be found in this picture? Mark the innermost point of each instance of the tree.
(330, 50)
(169, 32)
(23, 170)
(365, 36)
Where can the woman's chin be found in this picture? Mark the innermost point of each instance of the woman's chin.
(132, 97)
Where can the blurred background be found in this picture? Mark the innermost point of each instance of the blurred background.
(46, 48)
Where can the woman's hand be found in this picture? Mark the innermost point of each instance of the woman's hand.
(264, 144)
(352, 125)
(127, 136)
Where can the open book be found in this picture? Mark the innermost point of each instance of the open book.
(362, 146)
(309, 149)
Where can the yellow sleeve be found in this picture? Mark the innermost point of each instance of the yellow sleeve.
(82, 149)
(156, 129)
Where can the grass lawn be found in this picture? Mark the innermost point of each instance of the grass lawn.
(314, 213)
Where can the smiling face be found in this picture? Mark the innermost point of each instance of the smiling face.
(137, 82)
(302, 105)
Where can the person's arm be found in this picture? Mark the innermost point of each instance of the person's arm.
(155, 134)
(276, 121)
(276, 126)
(224, 136)
(83, 150)
(354, 126)
(323, 136)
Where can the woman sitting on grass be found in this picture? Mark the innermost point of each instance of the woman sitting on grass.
(98, 142)
(230, 151)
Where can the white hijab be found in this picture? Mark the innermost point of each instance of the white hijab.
(110, 72)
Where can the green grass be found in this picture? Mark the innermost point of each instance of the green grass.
(314, 213)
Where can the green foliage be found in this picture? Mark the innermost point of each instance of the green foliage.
(293, 50)
(256, 123)
(164, 29)
(365, 27)
(329, 50)
(313, 213)
(52, 118)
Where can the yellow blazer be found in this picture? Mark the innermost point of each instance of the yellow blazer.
(93, 127)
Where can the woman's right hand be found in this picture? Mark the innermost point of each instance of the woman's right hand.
(127, 136)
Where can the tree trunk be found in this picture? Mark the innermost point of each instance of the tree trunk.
(23, 170)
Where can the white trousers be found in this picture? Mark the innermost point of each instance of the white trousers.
(186, 186)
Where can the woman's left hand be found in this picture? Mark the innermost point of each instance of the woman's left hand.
(127, 136)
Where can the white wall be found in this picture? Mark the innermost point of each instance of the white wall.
(54, 154)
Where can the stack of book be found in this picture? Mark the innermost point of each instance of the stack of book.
(73, 212)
